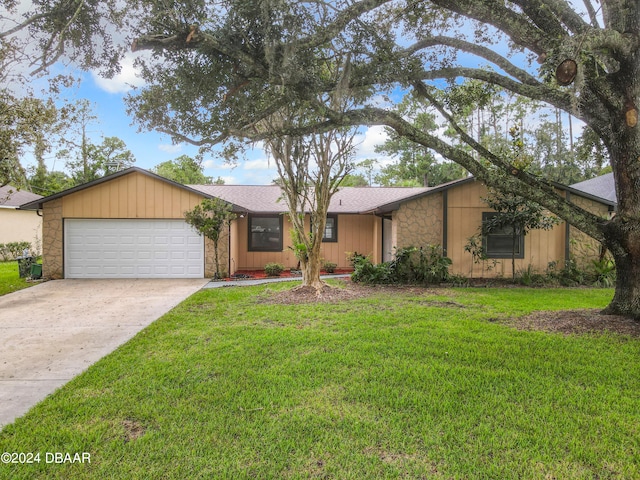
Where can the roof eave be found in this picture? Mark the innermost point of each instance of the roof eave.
(390, 207)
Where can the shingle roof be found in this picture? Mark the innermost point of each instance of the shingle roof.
(267, 198)
(603, 186)
(12, 197)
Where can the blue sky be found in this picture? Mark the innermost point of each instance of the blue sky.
(152, 148)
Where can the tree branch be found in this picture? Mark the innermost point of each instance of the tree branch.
(555, 97)
(60, 47)
(551, 15)
(592, 13)
(23, 25)
(494, 12)
(329, 32)
(474, 49)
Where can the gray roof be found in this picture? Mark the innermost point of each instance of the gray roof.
(603, 186)
(10, 196)
(267, 198)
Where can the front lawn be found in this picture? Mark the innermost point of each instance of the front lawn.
(10, 281)
(405, 383)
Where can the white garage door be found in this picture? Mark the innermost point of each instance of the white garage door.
(97, 248)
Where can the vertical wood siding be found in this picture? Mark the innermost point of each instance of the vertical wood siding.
(130, 196)
(355, 234)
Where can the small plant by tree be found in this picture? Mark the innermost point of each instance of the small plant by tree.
(476, 249)
(273, 269)
(210, 219)
(517, 216)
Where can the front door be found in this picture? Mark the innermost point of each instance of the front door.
(387, 242)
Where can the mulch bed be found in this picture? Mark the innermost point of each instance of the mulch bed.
(260, 274)
(577, 322)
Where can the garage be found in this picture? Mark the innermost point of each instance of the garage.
(129, 224)
(132, 248)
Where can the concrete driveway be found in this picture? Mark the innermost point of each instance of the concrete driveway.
(51, 332)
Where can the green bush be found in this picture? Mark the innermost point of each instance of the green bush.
(329, 267)
(411, 265)
(273, 269)
(605, 271)
(9, 251)
(364, 271)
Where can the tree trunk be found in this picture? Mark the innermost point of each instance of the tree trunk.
(623, 240)
(311, 274)
(311, 265)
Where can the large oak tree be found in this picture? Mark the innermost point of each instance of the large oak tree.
(219, 68)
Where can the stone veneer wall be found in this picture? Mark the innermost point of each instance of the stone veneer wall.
(583, 248)
(419, 222)
(52, 237)
(223, 255)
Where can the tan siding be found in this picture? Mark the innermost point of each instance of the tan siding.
(131, 196)
(354, 235)
(465, 217)
(377, 240)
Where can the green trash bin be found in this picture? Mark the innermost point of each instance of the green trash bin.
(36, 271)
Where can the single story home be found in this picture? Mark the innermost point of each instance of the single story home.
(131, 224)
(19, 225)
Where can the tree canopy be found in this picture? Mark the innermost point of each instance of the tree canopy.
(183, 169)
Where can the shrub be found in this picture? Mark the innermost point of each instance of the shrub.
(329, 267)
(605, 273)
(9, 251)
(411, 265)
(273, 269)
(364, 271)
(529, 277)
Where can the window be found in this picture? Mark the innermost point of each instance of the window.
(331, 229)
(265, 233)
(499, 243)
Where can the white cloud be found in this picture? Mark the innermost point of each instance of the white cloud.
(260, 164)
(124, 81)
(170, 148)
(218, 166)
(229, 180)
(372, 136)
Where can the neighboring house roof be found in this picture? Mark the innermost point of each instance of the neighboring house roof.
(11, 197)
(603, 186)
(268, 198)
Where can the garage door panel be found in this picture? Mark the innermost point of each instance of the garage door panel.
(105, 248)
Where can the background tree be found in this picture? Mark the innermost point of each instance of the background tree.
(354, 180)
(183, 169)
(96, 161)
(44, 182)
(211, 218)
(414, 165)
(27, 125)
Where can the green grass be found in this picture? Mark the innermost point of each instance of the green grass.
(390, 386)
(9, 278)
